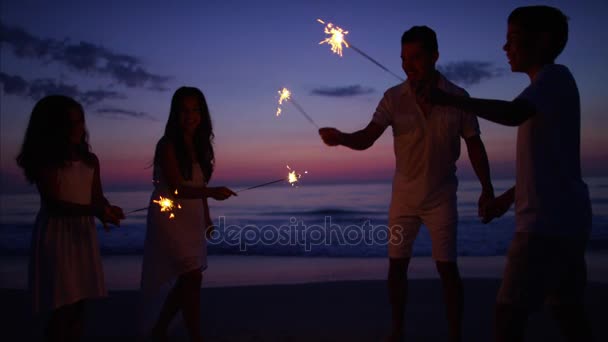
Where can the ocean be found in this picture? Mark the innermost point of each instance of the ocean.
(345, 220)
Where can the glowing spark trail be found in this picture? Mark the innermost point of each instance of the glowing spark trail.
(337, 39)
(284, 96)
(165, 204)
(292, 177)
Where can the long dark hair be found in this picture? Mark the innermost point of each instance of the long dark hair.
(47, 138)
(203, 137)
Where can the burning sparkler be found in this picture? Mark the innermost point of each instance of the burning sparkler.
(336, 39)
(165, 204)
(285, 95)
(293, 177)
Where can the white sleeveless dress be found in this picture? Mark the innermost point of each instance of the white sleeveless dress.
(65, 264)
(173, 246)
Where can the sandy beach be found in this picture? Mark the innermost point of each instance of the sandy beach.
(257, 298)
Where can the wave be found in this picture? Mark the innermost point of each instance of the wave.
(323, 212)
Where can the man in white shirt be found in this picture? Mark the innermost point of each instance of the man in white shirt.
(427, 145)
(546, 260)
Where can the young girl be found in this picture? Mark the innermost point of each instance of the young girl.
(175, 249)
(65, 265)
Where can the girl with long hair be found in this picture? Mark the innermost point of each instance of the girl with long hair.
(175, 249)
(65, 263)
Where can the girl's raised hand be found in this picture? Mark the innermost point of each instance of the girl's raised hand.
(221, 193)
(117, 211)
(112, 214)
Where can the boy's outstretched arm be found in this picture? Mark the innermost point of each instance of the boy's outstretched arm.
(508, 113)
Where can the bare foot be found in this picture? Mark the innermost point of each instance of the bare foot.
(395, 338)
(158, 335)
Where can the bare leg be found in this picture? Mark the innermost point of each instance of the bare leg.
(511, 323)
(170, 308)
(453, 296)
(57, 326)
(191, 303)
(77, 321)
(571, 316)
(573, 322)
(397, 291)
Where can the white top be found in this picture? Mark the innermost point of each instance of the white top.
(426, 147)
(75, 182)
(550, 196)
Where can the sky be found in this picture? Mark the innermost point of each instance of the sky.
(124, 59)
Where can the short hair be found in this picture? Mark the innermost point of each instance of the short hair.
(423, 35)
(536, 19)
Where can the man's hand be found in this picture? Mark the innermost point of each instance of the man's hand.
(497, 207)
(330, 136)
(485, 199)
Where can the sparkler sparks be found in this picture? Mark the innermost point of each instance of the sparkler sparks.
(292, 177)
(336, 39)
(166, 204)
(284, 96)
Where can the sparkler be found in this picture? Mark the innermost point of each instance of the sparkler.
(165, 204)
(292, 177)
(336, 39)
(285, 95)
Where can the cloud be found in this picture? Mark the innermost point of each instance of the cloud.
(41, 87)
(118, 113)
(13, 85)
(90, 97)
(469, 73)
(346, 91)
(38, 88)
(26, 45)
(83, 57)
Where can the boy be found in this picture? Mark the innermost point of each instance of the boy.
(546, 260)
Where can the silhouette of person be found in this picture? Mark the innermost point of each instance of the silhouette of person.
(427, 145)
(176, 248)
(65, 264)
(546, 260)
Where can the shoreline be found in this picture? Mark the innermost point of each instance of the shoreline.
(122, 272)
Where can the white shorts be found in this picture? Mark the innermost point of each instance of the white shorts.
(544, 270)
(441, 221)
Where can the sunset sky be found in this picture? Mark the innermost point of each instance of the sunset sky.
(124, 59)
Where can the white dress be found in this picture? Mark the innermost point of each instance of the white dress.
(173, 246)
(65, 265)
